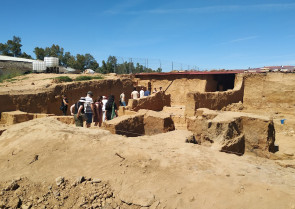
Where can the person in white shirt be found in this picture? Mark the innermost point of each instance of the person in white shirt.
(134, 94)
(104, 101)
(141, 93)
(122, 99)
(89, 108)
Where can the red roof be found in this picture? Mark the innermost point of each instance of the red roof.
(194, 73)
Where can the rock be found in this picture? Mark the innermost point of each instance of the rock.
(12, 186)
(80, 179)
(33, 83)
(234, 146)
(28, 205)
(191, 139)
(14, 202)
(289, 153)
(155, 205)
(95, 180)
(142, 198)
(56, 193)
(59, 180)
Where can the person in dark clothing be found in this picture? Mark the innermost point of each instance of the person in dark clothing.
(111, 108)
(64, 105)
(77, 110)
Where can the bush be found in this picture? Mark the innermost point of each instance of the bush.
(97, 77)
(62, 79)
(87, 78)
(83, 78)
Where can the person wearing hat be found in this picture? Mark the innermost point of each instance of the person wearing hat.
(89, 108)
(78, 114)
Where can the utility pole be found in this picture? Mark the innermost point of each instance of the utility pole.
(172, 66)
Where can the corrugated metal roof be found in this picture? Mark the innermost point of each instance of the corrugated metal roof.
(16, 59)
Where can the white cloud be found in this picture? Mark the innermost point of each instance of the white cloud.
(220, 8)
(240, 39)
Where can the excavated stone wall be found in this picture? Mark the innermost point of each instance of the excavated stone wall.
(49, 101)
(179, 85)
(145, 122)
(154, 102)
(214, 100)
(233, 132)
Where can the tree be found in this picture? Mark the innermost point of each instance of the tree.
(40, 53)
(90, 62)
(25, 55)
(11, 47)
(80, 62)
(14, 46)
(112, 64)
(103, 68)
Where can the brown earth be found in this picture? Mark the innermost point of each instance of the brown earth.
(159, 171)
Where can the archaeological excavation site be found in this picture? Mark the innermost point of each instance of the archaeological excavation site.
(223, 139)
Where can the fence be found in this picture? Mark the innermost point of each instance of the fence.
(153, 64)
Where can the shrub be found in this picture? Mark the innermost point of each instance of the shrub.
(83, 78)
(62, 79)
(87, 78)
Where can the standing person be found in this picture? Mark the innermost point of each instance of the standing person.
(97, 118)
(104, 102)
(89, 108)
(77, 110)
(111, 108)
(122, 99)
(147, 93)
(155, 90)
(64, 105)
(134, 94)
(160, 88)
(141, 93)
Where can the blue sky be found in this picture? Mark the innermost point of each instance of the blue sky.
(213, 34)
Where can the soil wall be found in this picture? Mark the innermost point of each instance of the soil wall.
(179, 85)
(50, 100)
(214, 100)
(274, 91)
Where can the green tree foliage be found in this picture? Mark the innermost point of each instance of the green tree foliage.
(40, 53)
(13, 48)
(25, 55)
(79, 62)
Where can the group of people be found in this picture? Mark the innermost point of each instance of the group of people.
(142, 93)
(97, 111)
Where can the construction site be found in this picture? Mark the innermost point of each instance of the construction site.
(222, 139)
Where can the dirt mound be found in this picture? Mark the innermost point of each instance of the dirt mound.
(63, 193)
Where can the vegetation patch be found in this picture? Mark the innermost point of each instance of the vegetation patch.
(87, 78)
(62, 79)
(9, 77)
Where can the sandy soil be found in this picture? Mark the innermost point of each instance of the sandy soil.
(37, 82)
(146, 169)
(160, 171)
